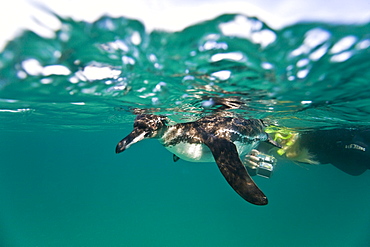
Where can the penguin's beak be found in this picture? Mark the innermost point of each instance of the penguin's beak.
(135, 136)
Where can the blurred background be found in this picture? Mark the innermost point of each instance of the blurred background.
(174, 15)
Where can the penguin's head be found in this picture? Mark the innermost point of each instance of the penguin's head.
(145, 126)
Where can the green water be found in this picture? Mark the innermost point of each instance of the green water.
(61, 184)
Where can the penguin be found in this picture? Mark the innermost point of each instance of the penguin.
(212, 138)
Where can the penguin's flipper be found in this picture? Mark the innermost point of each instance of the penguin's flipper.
(231, 167)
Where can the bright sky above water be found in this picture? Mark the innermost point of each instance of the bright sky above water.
(174, 15)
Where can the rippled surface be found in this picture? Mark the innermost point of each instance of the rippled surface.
(91, 75)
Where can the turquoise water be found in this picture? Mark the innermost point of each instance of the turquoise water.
(66, 100)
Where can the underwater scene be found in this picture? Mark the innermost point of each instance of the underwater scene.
(68, 98)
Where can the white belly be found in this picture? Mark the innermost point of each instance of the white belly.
(192, 152)
(201, 153)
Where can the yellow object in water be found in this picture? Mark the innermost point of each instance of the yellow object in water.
(291, 149)
(284, 136)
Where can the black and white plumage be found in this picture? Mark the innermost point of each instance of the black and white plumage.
(211, 138)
